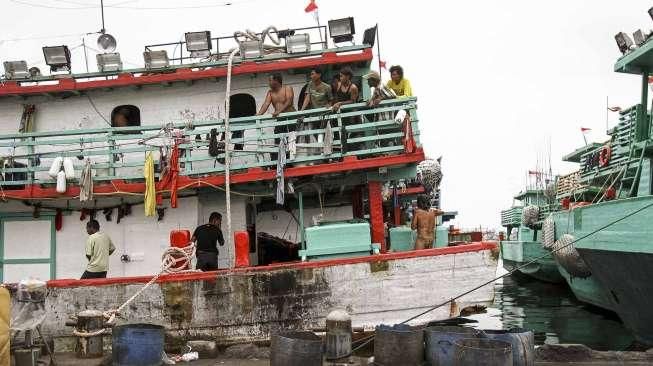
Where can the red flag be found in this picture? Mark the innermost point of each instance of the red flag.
(585, 129)
(614, 109)
(382, 64)
(312, 6)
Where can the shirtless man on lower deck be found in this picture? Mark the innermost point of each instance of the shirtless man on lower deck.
(424, 222)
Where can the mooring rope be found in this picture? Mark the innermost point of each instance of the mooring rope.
(371, 337)
(169, 264)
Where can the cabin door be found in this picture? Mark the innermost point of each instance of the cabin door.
(27, 248)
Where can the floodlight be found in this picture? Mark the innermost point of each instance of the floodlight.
(199, 43)
(251, 49)
(623, 42)
(16, 70)
(57, 57)
(342, 30)
(108, 62)
(639, 37)
(299, 43)
(34, 71)
(106, 42)
(369, 36)
(156, 59)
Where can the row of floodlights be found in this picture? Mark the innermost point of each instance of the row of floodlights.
(626, 44)
(199, 45)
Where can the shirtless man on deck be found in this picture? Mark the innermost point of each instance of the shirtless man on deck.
(424, 223)
(281, 97)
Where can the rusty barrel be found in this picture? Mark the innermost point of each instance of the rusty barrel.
(522, 342)
(440, 341)
(296, 348)
(398, 345)
(482, 352)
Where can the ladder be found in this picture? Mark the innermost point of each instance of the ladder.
(633, 167)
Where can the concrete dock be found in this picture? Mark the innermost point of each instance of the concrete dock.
(546, 355)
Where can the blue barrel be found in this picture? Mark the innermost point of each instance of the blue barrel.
(137, 345)
(440, 340)
(398, 345)
(296, 348)
(482, 352)
(522, 342)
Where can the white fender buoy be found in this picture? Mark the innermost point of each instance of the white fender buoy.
(400, 117)
(61, 182)
(69, 168)
(55, 167)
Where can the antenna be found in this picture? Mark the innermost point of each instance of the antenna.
(102, 12)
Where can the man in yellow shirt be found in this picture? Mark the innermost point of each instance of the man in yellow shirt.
(399, 84)
(98, 249)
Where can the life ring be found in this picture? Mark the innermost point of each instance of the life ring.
(604, 155)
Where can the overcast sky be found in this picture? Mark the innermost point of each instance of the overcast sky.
(496, 81)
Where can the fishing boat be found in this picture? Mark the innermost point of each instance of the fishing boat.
(613, 230)
(525, 251)
(152, 152)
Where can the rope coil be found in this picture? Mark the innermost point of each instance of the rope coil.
(173, 260)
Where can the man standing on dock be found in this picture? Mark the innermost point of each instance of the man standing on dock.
(424, 223)
(206, 237)
(98, 249)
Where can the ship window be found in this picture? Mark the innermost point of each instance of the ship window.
(125, 116)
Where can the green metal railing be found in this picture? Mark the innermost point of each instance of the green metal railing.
(511, 216)
(119, 153)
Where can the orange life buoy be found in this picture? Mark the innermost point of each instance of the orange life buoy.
(604, 155)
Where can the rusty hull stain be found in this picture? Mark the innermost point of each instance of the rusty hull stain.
(178, 302)
(379, 266)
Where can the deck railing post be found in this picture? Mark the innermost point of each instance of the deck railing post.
(376, 214)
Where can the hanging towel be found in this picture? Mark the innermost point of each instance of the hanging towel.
(281, 162)
(68, 168)
(150, 190)
(328, 139)
(55, 167)
(409, 140)
(169, 177)
(86, 182)
(292, 144)
(213, 143)
(58, 220)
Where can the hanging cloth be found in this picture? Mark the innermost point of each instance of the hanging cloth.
(86, 182)
(281, 162)
(409, 141)
(328, 139)
(150, 189)
(58, 220)
(169, 177)
(27, 119)
(174, 175)
(292, 144)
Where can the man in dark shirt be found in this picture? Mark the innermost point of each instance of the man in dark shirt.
(206, 237)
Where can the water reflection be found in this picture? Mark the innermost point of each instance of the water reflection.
(555, 316)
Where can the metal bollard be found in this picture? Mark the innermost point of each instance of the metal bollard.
(89, 331)
(338, 335)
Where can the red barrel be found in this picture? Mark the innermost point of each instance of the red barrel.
(180, 239)
(241, 240)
